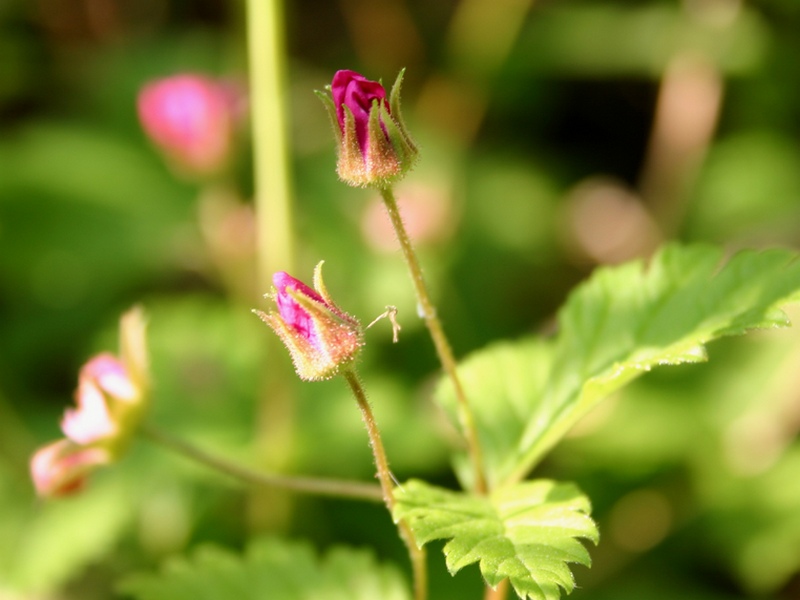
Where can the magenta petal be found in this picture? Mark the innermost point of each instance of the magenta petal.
(357, 93)
(291, 312)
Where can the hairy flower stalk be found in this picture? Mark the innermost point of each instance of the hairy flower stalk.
(416, 553)
(440, 341)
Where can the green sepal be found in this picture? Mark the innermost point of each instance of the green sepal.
(394, 105)
(403, 147)
(319, 284)
(351, 166)
(330, 107)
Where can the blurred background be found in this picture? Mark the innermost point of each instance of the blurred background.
(555, 136)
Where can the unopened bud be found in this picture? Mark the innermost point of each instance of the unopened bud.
(375, 149)
(321, 338)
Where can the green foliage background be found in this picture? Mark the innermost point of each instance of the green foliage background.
(523, 119)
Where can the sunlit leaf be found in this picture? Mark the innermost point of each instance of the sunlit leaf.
(619, 324)
(527, 533)
(504, 382)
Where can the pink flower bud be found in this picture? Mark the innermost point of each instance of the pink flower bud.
(191, 119)
(60, 468)
(320, 336)
(375, 148)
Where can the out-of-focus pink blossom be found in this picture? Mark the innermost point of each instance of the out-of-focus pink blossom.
(60, 468)
(191, 119)
(111, 398)
(103, 384)
(320, 336)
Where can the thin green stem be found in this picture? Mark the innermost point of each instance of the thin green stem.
(309, 485)
(429, 315)
(417, 554)
(275, 417)
(267, 56)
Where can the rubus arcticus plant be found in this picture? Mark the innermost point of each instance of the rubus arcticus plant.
(512, 401)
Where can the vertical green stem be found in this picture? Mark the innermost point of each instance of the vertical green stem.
(443, 349)
(416, 554)
(266, 49)
(272, 196)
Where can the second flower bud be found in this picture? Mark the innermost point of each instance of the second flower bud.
(321, 338)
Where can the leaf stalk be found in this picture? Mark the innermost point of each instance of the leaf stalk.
(309, 485)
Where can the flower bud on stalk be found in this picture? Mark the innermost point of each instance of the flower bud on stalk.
(321, 338)
(191, 119)
(111, 398)
(375, 149)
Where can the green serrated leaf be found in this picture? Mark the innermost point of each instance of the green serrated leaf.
(274, 569)
(619, 324)
(527, 533)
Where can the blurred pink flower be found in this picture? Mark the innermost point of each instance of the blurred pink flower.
(103, 383)
(191, 119)
(111, 398)
(60, 468)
